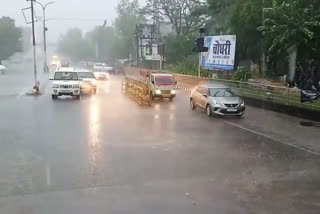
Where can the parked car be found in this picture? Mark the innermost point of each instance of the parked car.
(88, 82)
(217, 99)
(65, 82)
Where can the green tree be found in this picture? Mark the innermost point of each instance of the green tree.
(245, 18)
(291, 23)
(10, 38)
(125, 26)
(186, 16)
(178, 47)
(73, 45)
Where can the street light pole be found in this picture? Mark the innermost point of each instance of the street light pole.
(45, 67)
(34, 44)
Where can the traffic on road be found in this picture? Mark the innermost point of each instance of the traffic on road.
(160, 107)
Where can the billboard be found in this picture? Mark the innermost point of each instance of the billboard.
(221, 52)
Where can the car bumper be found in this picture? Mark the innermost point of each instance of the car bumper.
(229, 111)
(57, 92)
(165, 95)
(88, 89)
(102, 77)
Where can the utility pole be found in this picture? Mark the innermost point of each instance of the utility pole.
(45, 67)
(202, 32)
(34, 45)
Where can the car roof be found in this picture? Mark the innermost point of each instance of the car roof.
(66, 69)
(84, 71)
(162, 74)
(213, 85)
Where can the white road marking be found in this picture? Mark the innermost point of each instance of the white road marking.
(272, 138)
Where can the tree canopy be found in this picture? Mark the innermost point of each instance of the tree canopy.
(10, 38)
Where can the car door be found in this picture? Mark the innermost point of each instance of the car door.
(203, 96)
(198, 96)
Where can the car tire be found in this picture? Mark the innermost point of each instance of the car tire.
(54, 97)
(208, 111)
(192, 105)
(77, 97)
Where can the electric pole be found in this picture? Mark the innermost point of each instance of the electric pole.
(34, 45)
(45, 67)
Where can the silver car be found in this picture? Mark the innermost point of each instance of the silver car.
(217, 99)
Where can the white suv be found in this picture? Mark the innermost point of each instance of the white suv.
(65, 82)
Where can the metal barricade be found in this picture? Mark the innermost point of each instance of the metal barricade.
(136, 90)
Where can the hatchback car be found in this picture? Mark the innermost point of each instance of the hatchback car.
(217, 99)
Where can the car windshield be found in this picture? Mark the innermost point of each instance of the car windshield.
(165, 80)
(66, 76)
(221, 92)
(86, 75)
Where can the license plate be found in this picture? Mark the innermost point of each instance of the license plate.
(232, 110)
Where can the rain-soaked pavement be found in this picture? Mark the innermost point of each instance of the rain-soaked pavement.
(105, 154)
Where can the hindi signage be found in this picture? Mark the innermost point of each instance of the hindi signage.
(221, 53)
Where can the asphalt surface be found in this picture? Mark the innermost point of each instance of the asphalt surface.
(106, 154)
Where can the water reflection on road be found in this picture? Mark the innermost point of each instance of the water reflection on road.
(95, 147)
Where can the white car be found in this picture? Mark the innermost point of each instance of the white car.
(66, 82)
(88, 82)
(101, 71)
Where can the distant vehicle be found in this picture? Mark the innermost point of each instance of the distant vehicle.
(217, 99)
(55, 62)
(161, 85)
(88, 82)
(66, 82)
(103, 66)
(101, 72)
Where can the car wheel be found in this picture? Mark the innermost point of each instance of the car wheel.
(78, 97)
(54, 97)
(208, 111)
(192, 105)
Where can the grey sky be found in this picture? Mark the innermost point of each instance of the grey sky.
(84, 9)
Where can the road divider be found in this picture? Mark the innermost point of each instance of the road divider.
(136, 90)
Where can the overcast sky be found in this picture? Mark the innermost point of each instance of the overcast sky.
(96, 10)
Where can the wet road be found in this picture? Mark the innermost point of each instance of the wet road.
(105, 154)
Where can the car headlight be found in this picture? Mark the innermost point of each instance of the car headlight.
(76, 86)
(216, 104)
(242, 104)
(173, 91)
(158, 91)
(55, 86)
(93, 82)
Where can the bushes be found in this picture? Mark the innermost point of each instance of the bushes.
(188, 65)
(241, 75)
